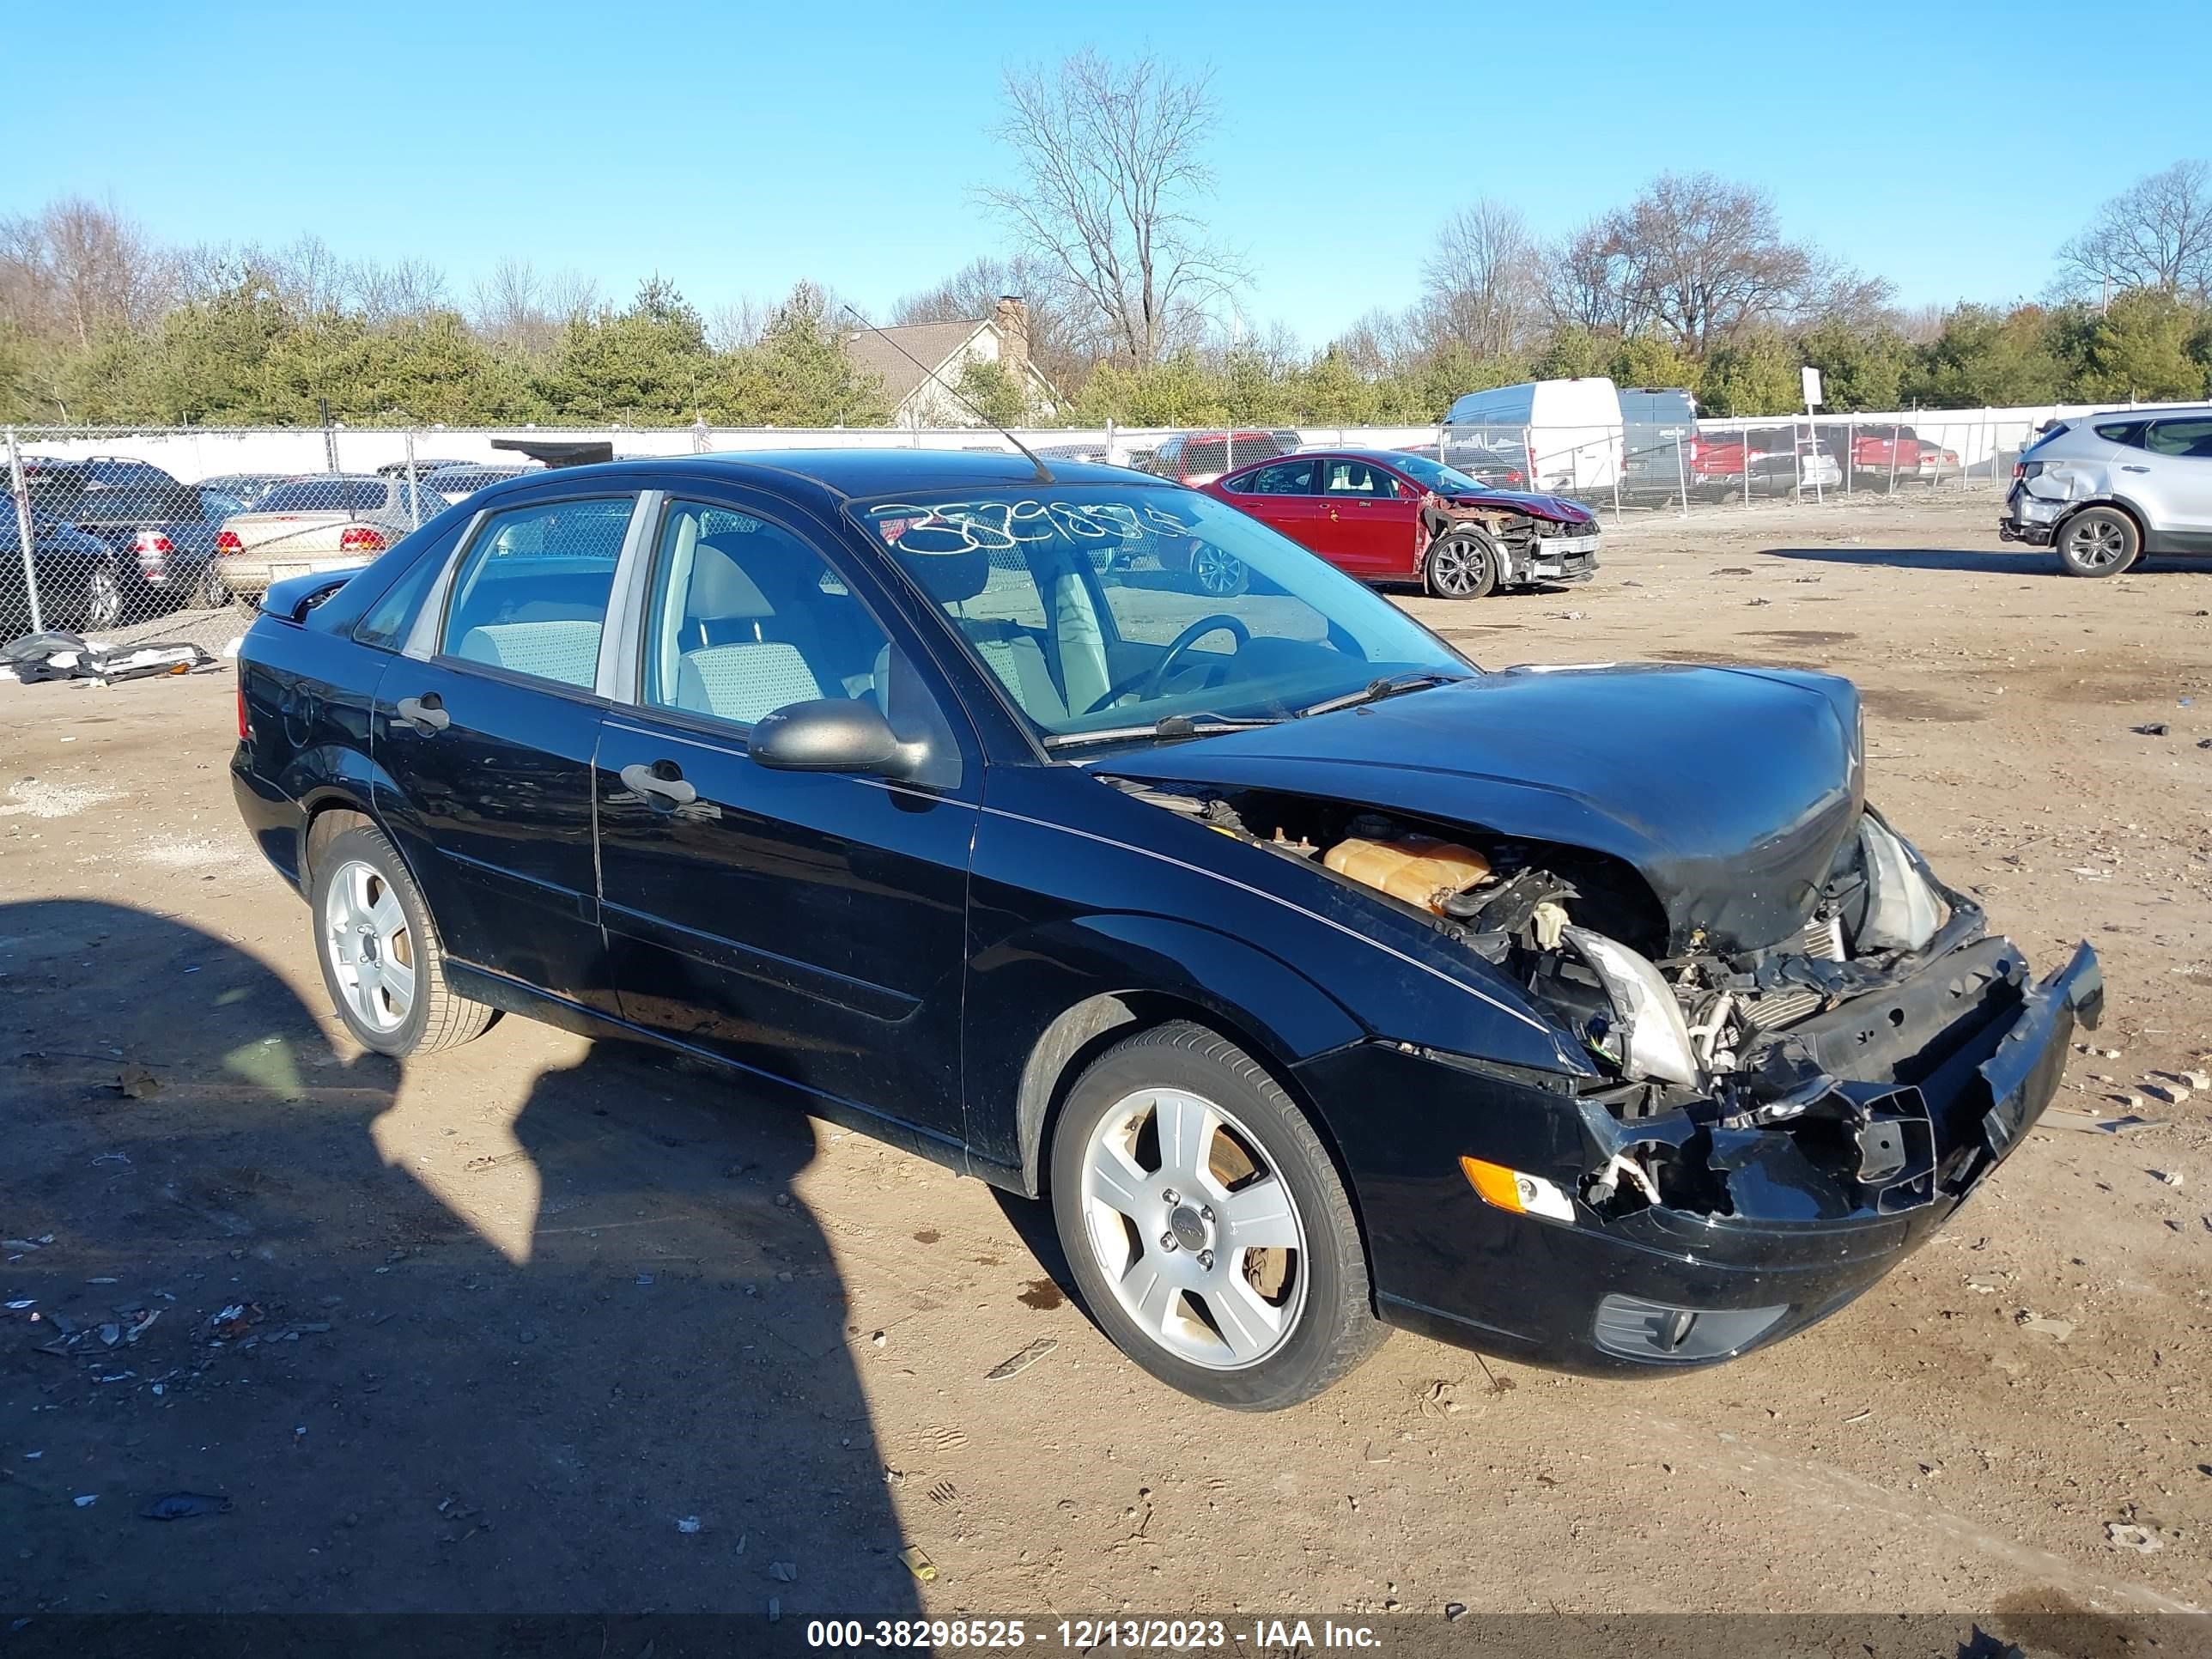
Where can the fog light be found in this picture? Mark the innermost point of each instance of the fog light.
(1510, 1190)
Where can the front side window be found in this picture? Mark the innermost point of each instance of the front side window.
(1361, 479)
(530, 596)
(1097, 608)
(746, 618)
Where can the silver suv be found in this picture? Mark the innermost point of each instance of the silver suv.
(2104, 490)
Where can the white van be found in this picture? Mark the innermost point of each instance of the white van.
(1570, 430)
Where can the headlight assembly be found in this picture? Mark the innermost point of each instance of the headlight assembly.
(1654, 1038)
(1902, 910)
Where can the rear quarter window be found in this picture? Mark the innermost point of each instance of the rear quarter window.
(2129, 433)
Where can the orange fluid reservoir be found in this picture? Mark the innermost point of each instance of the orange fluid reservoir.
(1415, 868)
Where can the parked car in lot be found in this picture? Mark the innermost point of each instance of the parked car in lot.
(325, 522)
(423, 466)
(2106, 490)
(1199, 457)
(455, 483)
(247, 487)
(1394, 516)
(78, 577)
(1777, 460)
(1320, 980)
(1491, 469)
(159, 528)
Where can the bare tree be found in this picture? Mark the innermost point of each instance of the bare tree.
(2157, 233)
(404, 288)
(1703, 259)
(79, 269)
(738, 323)
(1481, 279)
(1056, 345)
(1585, 281)
(1111, 165)
(515, 305)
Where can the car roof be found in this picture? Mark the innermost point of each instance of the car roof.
(852, 474)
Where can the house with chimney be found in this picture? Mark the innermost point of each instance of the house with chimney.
(944, 350)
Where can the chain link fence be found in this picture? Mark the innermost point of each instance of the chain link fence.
(125, 536)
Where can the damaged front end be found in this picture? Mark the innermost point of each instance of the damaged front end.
(1761, 1130)
(1533, 538)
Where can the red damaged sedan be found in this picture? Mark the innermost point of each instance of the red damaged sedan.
(1389, 516)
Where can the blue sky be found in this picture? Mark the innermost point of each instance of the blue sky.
(737, 148)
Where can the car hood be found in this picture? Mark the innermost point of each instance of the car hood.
(1548, 506)
(1730, 790)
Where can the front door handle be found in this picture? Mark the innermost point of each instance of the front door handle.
(426, 713)
(662, 781)
(2128, 467)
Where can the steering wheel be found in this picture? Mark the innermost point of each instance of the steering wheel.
(1151, 680)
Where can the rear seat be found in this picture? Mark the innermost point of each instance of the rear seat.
(566, 650)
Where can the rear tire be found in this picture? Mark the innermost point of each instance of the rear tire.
(2098, 541)
(1262, 1299)
(1216, 575)
(381, 959)
(214, 595)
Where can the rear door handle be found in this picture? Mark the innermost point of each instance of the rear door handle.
(426, 713)
(2128, 467)
(663, 780)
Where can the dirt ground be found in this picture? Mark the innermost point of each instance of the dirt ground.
(542, 1324)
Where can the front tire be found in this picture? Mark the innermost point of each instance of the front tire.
(214, 593)
(1204, 1220)
(381, 959)
(1216, 575)
(2098, 541)
(1460, 564)
(103, 600)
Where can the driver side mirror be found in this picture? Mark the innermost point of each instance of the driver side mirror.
(832, 734)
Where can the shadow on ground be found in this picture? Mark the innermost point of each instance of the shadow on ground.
(257, 1275)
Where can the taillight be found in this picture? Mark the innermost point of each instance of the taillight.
(226, 541)
(245, 731)
(360, 538)
(151, 548)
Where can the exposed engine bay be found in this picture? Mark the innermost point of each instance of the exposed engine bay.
(1792, 1071)
(1528, 543)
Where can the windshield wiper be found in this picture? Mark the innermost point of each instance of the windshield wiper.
(1389, 685)
(1173, 726)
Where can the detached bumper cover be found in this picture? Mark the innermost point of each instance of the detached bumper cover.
(1663, 1287)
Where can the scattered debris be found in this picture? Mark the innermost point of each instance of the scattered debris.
(136, 1082)
(2173, 1094)
(2198, 1080)
(919, 1565)
(186, 1506)
(1455, 1610)
(774, 1609)
(2171, 1178)
(2056, 1329)
(2120, 1535)
(2155, 729)
(86, 1500)
(1021, 1362)
(1498, 1383)
(784, 1573)
(1861, 1417)
(688, 1523)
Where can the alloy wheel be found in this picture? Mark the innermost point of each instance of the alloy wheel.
(1193, 1230)
(103, 598)
(1218, 573)
(2095, 544)
(370, 946)
(1457, 567)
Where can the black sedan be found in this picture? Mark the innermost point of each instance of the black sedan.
(1321, 980)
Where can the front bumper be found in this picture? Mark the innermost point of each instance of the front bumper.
(1661, 1288)
(1553, 559)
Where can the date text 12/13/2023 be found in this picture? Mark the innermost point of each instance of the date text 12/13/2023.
(1259, 1637)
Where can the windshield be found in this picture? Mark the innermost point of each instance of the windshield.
(1435, 475)
(1100, 610)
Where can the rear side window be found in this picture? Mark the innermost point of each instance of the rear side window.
(1282, 478)
(2129, 433)
(387, 622)
(532, 594)
(2192, 437)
